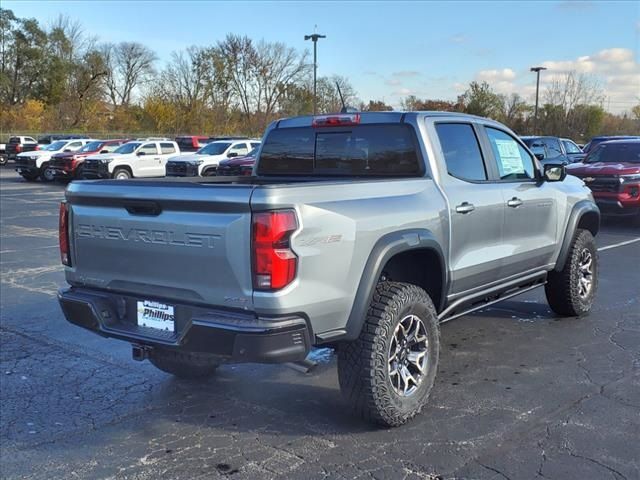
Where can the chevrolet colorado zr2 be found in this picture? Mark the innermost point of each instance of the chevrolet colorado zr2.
(359, 231)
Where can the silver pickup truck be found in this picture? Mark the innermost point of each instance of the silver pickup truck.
(360, 231)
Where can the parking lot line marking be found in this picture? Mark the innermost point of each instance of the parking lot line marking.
(621, 244)
(29, 249)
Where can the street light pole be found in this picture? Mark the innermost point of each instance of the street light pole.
(535, 114)
(314, 38)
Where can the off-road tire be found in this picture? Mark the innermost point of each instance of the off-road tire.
(210, 172)
(563, 287)
(47, 174)
(121, 172)
(30, 177)
(183, 364)
(363, 365)
(79, 173)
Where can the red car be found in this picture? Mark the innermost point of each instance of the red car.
(238, 166)
(68, 165)
(612, 172)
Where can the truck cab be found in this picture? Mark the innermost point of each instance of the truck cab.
(205, 161)
(139, 159)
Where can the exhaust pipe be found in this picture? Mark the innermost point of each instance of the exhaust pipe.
(140, 352)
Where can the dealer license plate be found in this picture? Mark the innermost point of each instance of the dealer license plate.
(156, 315)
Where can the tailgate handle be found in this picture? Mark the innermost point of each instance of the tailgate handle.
(143, 208)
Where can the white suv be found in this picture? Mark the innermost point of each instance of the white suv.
(32, 165)
(205, 161)
(133, 159)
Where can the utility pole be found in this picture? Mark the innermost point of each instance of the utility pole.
(314, 38)
(535, 114)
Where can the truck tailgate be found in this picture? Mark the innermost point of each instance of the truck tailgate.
(183, 242)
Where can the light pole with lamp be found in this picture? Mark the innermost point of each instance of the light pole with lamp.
(314, 38)
(535, 113)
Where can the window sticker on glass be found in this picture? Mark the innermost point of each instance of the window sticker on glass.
(509, 156)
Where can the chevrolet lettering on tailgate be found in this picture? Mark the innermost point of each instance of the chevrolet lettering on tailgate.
(162, 237)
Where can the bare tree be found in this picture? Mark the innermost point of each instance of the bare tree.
(571, 90)
(259, 76)
(277, 67)
(328, 97)
(240, 58)
(184, 78)
(86, 83)
(566, 100)
(130, 65)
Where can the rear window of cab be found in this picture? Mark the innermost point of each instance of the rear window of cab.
(362, 150)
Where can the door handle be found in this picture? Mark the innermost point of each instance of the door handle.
(465, 207)
(514, 202)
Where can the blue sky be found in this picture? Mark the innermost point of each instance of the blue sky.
(391, 49)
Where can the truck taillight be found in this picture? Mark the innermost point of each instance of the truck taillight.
(37, 147)
(274, 263)
(18, 148)
(336, 120)
(63, 234)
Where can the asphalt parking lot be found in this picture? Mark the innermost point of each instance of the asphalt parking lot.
(519, 395)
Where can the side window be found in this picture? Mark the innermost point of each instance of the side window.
(239, 149)
(149, 149)
(110, 147)
(571, 147)
(167, 148)
(255, 145)
(29, 139)
(537, 147)
(553, 147)
(514, 162)
(461, 151)
(74, 145)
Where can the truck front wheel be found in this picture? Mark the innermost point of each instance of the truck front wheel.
(121, 174)
(570, 292)
(183, 364)
(388, 372)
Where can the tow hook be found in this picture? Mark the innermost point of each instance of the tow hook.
(140, 352)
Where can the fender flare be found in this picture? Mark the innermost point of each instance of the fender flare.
(580, 209)
(385, 248)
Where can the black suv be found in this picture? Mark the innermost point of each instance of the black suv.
(554, 149)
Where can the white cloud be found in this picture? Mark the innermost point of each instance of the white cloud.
(406, 73)
(575, 5)
(504, 75)
(401, 92)
(616, 69)
(459, 38)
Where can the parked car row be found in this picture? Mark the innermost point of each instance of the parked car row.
(610, 166)
(122, 158)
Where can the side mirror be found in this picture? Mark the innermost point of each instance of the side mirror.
(104, 151)
(540, 156)
(141, 153)
(67, 150)
(554, 173)
(232, 154)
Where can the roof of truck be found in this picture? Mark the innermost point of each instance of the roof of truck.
(377, 117)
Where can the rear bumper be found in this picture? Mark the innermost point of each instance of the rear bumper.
(234, 337)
